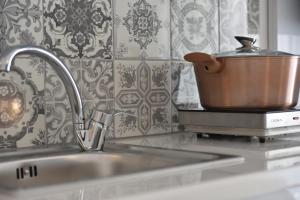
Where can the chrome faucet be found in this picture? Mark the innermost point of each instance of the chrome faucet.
(90, 133)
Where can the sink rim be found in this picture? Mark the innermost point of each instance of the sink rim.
(109, 148)
(227, 160)
(53, 153)
(34, 152)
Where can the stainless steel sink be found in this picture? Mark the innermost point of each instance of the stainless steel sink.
(47, 168)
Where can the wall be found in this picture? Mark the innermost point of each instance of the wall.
(124, 55)
(285, 26)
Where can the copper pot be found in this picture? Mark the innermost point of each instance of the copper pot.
(251, 80)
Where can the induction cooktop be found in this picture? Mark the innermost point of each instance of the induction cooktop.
(260, 123)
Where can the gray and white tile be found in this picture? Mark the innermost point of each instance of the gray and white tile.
(184, 86)
(22, 103)
(176, 126)
(253, 9)
(142, 89)
(59, 126)
(97, 81)
(142, 29)
(35, 136)
(94, 79)
(194, 27)
(233, 22)
(185, 95)
(54, 87)
(75, 28)
(20, 23)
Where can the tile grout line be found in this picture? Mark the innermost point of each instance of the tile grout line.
(171, 65)
(45, 77)
(114, 3)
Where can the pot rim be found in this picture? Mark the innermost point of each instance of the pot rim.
(258, 56)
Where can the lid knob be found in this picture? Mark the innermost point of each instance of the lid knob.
(248, 44)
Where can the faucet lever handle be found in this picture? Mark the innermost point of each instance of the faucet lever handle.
(106, 119)
(101, 117)
(123, 113)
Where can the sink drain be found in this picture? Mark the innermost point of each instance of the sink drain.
(23, 172)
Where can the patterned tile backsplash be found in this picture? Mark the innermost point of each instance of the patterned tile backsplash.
(78, 28)
(142, 29)
(194, 27)
(125, 55)
(143, 88)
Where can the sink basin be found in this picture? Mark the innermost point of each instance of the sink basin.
(52, 168)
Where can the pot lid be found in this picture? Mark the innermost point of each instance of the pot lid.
(248, 49)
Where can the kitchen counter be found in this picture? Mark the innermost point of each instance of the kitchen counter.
(269, 171)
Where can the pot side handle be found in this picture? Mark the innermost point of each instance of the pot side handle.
(208, 62)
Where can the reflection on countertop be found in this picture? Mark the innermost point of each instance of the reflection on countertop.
(279, 152)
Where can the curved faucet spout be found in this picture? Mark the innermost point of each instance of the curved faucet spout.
(6, 62)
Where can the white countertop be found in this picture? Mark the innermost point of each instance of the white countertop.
(270, 170)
